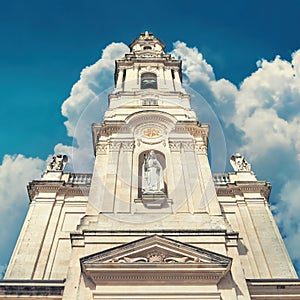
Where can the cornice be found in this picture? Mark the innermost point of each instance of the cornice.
(32, 289)
(36, 187)
(242, 188)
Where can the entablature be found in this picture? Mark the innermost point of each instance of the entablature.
(72, 184)
(276, 288)
(227, 187)
(32, 289)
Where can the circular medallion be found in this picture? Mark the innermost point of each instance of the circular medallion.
(151, 133)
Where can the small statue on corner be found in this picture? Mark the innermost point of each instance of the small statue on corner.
(239, 163)
(57, 163)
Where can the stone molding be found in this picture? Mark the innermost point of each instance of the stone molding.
(60, 188)
(195, 129)
(241, 189)
(177, 145)
(35, 289)
(272, 289)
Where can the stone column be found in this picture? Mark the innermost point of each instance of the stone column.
(193, 178)
(120, 79)
(124, 178)
(111, 177)
(160, 79)
(96, 196)
(177, 191)
(209, 191)
(177, 81)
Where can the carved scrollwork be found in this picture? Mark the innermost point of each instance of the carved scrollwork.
(156, 257)
(132, 260)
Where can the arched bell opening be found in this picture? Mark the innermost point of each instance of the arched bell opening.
(148, 81)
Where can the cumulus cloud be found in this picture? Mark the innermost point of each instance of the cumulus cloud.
(269, 101)
(199, 75)
(87, 104)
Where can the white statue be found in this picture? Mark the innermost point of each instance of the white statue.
(57, 163)
(239, 163)
(153, 179)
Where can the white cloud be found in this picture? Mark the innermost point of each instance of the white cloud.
(195, 66)
(267, 106)
(93, 81)
(220, 94)
(87, 104)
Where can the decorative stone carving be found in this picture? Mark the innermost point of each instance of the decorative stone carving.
(201, 148)
(188, 146)
(153, 181)
(57, 163)
(115, 146)
(239, 163)
(174, 146)
(156, 257)
(128, 146)
(101, 148)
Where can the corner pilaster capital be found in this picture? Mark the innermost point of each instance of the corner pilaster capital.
(114, 146)
(174, 145)
(200, 148)
(128, 146)
(101, 148)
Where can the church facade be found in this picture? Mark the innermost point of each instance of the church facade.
(151, 221)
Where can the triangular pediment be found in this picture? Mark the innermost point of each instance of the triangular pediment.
(159, 254)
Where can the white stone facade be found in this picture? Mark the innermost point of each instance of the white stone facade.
(97, 236)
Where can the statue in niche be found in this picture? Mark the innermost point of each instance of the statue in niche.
(57, 163)
(153, 181)
(239, 163)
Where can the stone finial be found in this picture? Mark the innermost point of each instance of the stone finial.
(239, 163)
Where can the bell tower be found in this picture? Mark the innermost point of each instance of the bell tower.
(149, 110)
(151, 221)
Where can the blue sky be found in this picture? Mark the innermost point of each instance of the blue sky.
(46, 44)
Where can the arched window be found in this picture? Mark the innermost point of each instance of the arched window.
(149, 81)
(147, 48)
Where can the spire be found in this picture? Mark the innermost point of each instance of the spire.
(147, 41)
